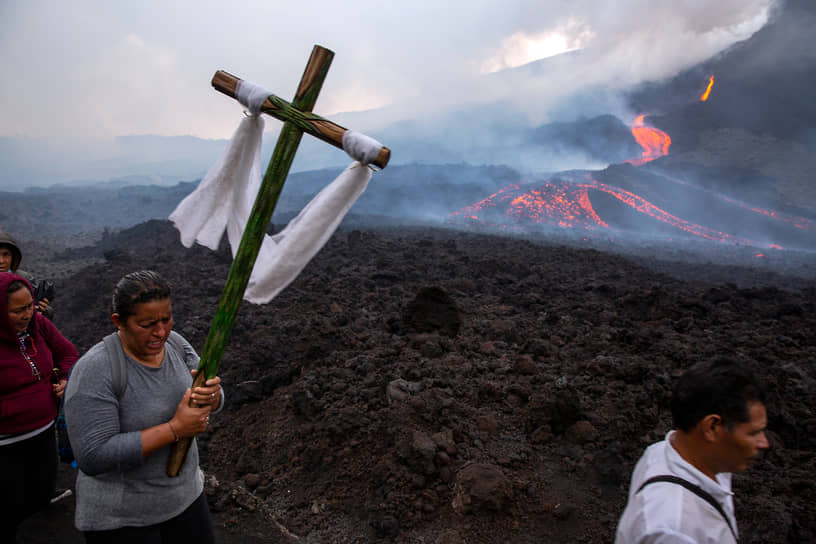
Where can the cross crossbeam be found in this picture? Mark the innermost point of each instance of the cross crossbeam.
(310, 123)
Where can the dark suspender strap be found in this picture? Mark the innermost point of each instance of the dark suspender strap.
(697, 490)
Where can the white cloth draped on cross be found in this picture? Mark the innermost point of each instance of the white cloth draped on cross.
(225, 196)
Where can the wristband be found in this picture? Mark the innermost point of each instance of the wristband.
(172, 430)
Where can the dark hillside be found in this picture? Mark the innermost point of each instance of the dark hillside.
(760, 83)
(406, 365)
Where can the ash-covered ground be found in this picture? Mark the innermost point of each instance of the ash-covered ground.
(432, 386)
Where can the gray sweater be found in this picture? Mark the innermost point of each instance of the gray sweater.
(115, 487)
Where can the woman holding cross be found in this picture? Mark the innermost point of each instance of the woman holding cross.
(128, 401)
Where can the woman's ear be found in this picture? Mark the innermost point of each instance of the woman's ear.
(116, 321)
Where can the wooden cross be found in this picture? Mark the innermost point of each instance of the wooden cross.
(298, 118)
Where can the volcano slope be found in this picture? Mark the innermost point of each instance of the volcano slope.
(421, 385)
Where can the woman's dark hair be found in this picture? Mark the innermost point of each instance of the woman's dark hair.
(721, 386)
(15, 286)
(138, 287)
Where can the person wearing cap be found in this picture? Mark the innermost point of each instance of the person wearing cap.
(10, 258)
(681, 487)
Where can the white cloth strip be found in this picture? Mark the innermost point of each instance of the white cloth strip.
(360, 147)
(284, 255)
(252, 96)
(203, 214)
(224, 200)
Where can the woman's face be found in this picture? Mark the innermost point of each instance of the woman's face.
(20, 309)
(146, 330)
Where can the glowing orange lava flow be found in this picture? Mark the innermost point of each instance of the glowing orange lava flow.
(798, 222)
(655, 142)
(707, 92)
(566, 203)
(560, 203)
(644, 206)
(793, 220)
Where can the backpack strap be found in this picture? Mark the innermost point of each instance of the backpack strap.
(175, 342)
(118, 364)
(697, 490)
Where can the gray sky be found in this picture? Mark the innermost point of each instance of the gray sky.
(87, 70)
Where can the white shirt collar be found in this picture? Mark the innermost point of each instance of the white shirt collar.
(720, 490)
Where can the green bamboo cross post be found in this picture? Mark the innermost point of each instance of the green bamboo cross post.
(297, 118)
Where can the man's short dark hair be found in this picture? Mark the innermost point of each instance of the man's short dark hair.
(721, 386)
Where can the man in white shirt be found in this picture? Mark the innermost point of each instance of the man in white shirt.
(681, 486)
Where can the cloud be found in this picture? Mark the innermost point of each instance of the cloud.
(522, 48)
(90, 69)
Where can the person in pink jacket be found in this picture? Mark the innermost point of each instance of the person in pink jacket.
(35, 359)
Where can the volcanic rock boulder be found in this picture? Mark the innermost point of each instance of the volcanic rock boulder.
(400, 390)
(581, 432)
(479, 487)
(433, 309)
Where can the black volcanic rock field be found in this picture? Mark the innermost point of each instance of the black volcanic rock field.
(436, 386)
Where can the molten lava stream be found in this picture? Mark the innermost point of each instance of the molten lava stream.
(793, 220)
(560, 203)
(642, 205)
(655, 142)
(707, 92)
(472, 212)
(564, 204)
(798, 222)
